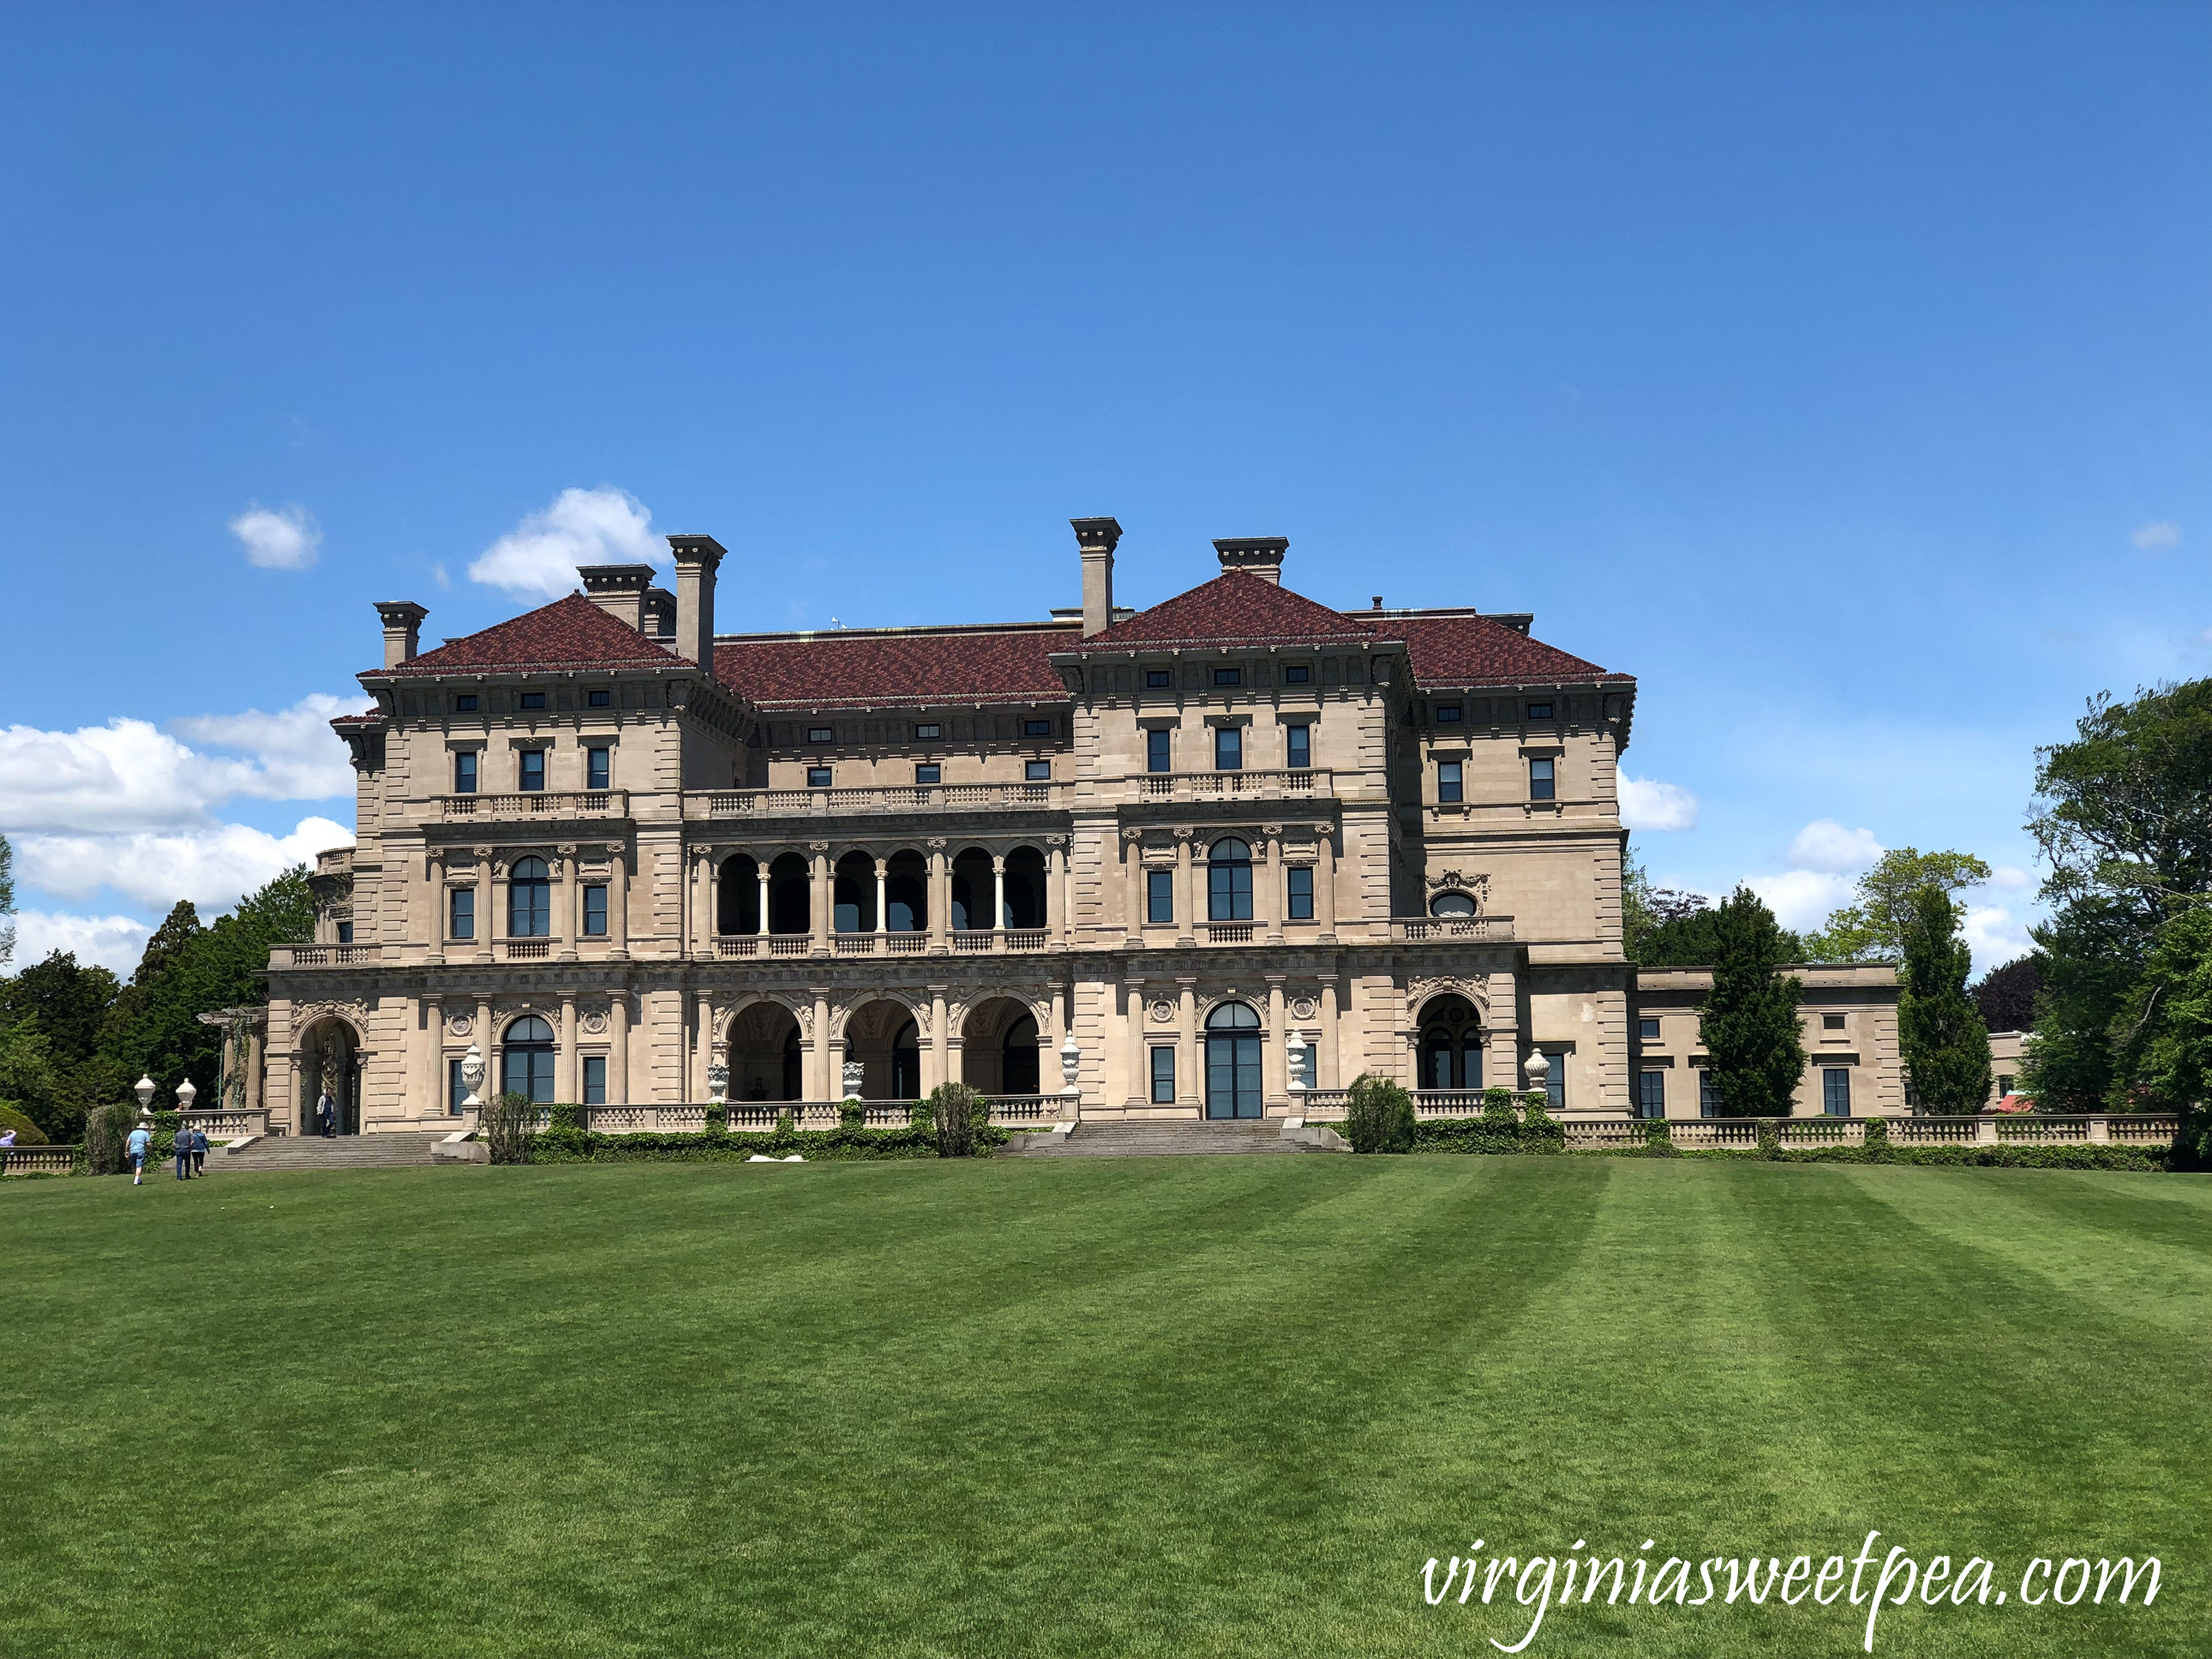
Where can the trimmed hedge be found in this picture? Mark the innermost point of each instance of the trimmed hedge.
(2136, 1159)
(817, 1145)
(1498, 1130)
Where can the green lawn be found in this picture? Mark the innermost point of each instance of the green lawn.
(1176, 1406)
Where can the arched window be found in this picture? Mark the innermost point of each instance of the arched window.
(1232, 1061)
(1229, 881)
(791, 1064)
(529, 901)
(1452, 904)
(527, 1055)
(1017, 1058)
(1451, 1045)
(905, 1063)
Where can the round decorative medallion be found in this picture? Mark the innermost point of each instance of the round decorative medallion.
(459, 1025)
(1303, 1007)
(1163, 1012)
(594, 1022)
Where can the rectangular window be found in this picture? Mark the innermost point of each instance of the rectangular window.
(1555, 1083)
(1155, 679)
(1541, 786)
(2004, 1086)
(1835, 1091)
(1301, 890)
(533, 700)
(819, 733)
(532, 762)
(1648, 1030)
(595, 1079)
(456, 1090)
(595, 912)
(1163, 1077)
(1296, 673)
(1228, 749)
(1157, 750)
(1160, 896)
(1229, 676)
(1449, 787)
(1300, 749)
(465, 772)
(1651, 1094)
(1037, 771)
(928, 733)
(461, 913)
(928, 772)
(598, 770)
(817, 777)
(1447, 714)
(1832, 1022)
(345, 932)
(1709, 1097)
(465, 703)
(1539, 711)
(600, 698)
(1037, 728)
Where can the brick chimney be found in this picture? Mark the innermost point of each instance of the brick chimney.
(1098, 539)
(402, 629)
(1260, 555)
(618, 590)
(696, 556)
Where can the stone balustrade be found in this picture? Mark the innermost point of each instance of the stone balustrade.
(42, 1160)
(1305, 784)
(535, 804)
(1414, 930)
(727, 804)
(282, 956)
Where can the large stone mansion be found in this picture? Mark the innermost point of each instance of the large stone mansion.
(1195, 853)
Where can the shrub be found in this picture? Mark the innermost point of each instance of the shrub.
(957, 1111)
(918, 1116)
(718, 1119)
(1769, 1140)
(1659, 1139)
(106, 1129)
(1877, 1147)
(566, 1117)
(786, 1124)
(852, 1115)
(27, 1133)
(1378, 1115)
(508, 1123)
(1540, 1131)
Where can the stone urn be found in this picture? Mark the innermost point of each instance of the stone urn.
(718, 1083)
(856, 1073)
(472, 1077)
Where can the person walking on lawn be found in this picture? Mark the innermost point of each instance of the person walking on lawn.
(182, 1146)
(326, 1113)
(142, 1139)
(6, 1143)
(199, 1149)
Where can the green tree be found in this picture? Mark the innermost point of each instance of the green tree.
(1945, 1045)
(2093, 953)
(1663, 927)
(2127, 807)
(28, 1084)
(1873, 928)
(1748, 1022)
(1378, 1115)
(67, 1005)
(2162, 1037)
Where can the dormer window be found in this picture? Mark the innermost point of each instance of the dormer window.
(1297, 673)
(601, 699)
(465, 703)
(819, 734)
(1229, 676)
(1037, 728)
(1539, 711)
(1448, 714)
(533, 700)
(1155, 679)
(928, 732)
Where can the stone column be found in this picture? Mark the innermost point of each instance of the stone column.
(883, 884)
(618, 901)
(1133, 858)
(1326, 1072)
(821, 905)
(706, 1046)
(940, 901)
(433, 1061)
(495, 925)
(760, 868)
(822, 1085)
(256, 1062)
(1056, 896)
(1190, 1086)
(939, 1055)
(565, 1070)
(1325, 880)
(1274, 1072)
(1186, 893)
(1133, 1030)
(1269, 911)
(618, 1047)
(572, 899)
(998, 897)
(481, 1036)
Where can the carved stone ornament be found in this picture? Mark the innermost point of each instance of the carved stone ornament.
(594, 1023)
(1304, 1007)
(1477, 885)
(817, 846)
(936, 844)
(1475, 988)
(460, 1024)
(856, 1073)
(1163, 1011)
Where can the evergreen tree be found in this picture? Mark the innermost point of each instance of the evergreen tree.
(67, 1005)
(1945, 1045)
(1749, 1022)
(178, 929)
(2093, 951)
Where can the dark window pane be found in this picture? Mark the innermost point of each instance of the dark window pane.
(1301, 879)
(464, 907)
(1037, 728)
(595, 1079)
(1156, 678)
(345, 932)
(927, 733)
(929, 772)
(1159, 896)
(1296, 673)
(1228, 749)
(1037, 771)
(1229, 676)
(1539, 711)
(595, 911)
(533, 700)
(1163, 1077)
(1651, 1094)
(1448, 780)
(599, 699)
(596, 768)
(1447, 713)
(533, 769)
(465, 703)
(465, 773)
(1835, 1090)
(1301, 747)
(817, 777)
(1156, 750)
(1540, 780)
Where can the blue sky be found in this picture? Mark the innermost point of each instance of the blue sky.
(1841, 373)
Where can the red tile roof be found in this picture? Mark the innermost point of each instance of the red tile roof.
(570, 633)
(1235, 608)
(1478, 650)
(916, 665)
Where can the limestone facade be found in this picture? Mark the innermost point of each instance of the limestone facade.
(616, 852)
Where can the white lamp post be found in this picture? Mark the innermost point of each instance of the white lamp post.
(144, 1089)
(186, 1095)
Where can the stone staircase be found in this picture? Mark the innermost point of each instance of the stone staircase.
(1170, 1138)
(377, 1152)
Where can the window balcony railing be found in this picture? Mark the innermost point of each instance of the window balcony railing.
(1416, 930)
(1228, 933)
(325, 956)
(526, 950)
(885, 798)
(1303, 784)
(538, 804)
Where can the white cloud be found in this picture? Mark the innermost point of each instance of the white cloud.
(2157, 538)
(287, 540)
(1825, 845)
(212, 866)
(438, 575)
(1996, 936)
(2011, 879)
(1646, 803)
(115, 943)
(1802, 899)
(128, 775)
(537, 559)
